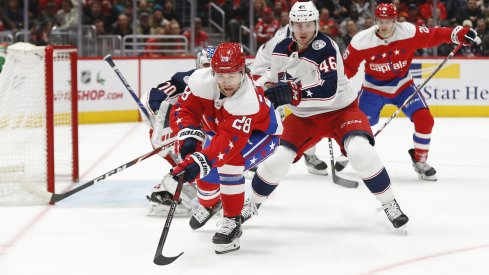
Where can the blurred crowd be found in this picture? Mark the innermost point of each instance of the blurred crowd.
(340, 19)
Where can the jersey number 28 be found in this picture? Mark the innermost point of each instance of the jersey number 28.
(243, 123)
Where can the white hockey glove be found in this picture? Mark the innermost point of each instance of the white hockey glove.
(465, 35)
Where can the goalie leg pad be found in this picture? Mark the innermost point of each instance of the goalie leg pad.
(162, 197)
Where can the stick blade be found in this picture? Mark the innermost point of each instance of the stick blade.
(344, 182)
(162, 260)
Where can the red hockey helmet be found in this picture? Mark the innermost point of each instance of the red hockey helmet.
(228, 58)
(386, 11)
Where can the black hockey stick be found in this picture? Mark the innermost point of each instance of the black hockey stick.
(58, 197)
(340, 181)
(160, 259)
(109, 60)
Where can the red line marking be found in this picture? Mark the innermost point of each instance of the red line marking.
(425, 258)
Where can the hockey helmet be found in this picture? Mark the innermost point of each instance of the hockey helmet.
(204, 57)
(304, 12)
(386, 11)
(228, 58)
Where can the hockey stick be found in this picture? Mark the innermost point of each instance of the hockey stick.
(340, 181)
(109, 60)
(57, 197)
(159, 258)
(450, 55)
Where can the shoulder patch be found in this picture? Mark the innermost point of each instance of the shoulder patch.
(318, 44)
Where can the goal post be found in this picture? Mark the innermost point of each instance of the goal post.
(38, 122)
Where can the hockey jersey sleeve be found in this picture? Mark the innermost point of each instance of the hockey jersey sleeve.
(351, 60)
(431, 37)
(188, 114)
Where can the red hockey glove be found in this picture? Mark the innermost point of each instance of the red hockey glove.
(285, 93)
(193, 166)
(465, 35)
(189, 140)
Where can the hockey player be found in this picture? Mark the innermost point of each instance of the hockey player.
(328, 109)
(242, 129)
(260, 68)
(159, 101)
(388, 49)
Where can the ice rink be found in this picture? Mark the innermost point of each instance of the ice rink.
(308, 226)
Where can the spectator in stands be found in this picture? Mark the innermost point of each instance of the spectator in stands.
(5, 23)
(201, 37)
(100, 27)
(144, 26)
(49, 15)
(95, 12)
(15, 14)
(266, 27)
(367, 23)
(156, 18)
(284, 18)
(364, 11)
(351, 30)
(122, 27)
(169, 12)
(143, 7)
(66, 16)
(165, 24)
(413, 14)
(426, 10)
(152, 48)
(175, 27)
(342, 11)
(279, 7)
(236, 14)
(325, 19)
(471, 12)
(258, 8)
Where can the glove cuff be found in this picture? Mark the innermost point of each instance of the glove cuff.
(191, 133)
(455, 34)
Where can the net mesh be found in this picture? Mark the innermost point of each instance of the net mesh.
(23, 138)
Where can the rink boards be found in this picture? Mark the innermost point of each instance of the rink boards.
(460, 89)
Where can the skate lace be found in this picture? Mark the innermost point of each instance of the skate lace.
(227, 226)
(201, 214)
(249, 209)
(313, 160)
(391, 209)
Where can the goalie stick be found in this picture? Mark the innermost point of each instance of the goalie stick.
(166, 147)
(340, 181)
(159, 258)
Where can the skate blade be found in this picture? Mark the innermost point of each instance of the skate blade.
(402, 230)
(427, 178)
(226, 248)
(314, 171)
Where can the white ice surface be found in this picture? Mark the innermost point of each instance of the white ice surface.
(308, 226)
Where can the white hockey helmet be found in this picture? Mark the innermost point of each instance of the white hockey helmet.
(304, 12)
(204, 57)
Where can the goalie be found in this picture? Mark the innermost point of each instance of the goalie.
(159, 101)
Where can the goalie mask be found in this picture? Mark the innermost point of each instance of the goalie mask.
(204, 57)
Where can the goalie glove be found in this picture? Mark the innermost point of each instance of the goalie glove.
(285, 93)
(189, 140)
(465, 35)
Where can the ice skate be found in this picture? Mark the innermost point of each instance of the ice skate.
(202, 215)
(250, 173)
(226, 238)
(315, 165)
(250, 209)
(395, 215)
(341, 163)
(424, 170)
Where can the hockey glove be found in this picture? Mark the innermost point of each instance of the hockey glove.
(466, 36)
(193, 166)
(284, 93)
(189, 140)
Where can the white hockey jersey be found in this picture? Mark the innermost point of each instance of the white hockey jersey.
(264, 54)
(319, 69)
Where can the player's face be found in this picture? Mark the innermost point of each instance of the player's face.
(385, 27)
(228, 83)
(304, 31)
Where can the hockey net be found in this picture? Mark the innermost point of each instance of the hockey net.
(38, 122)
